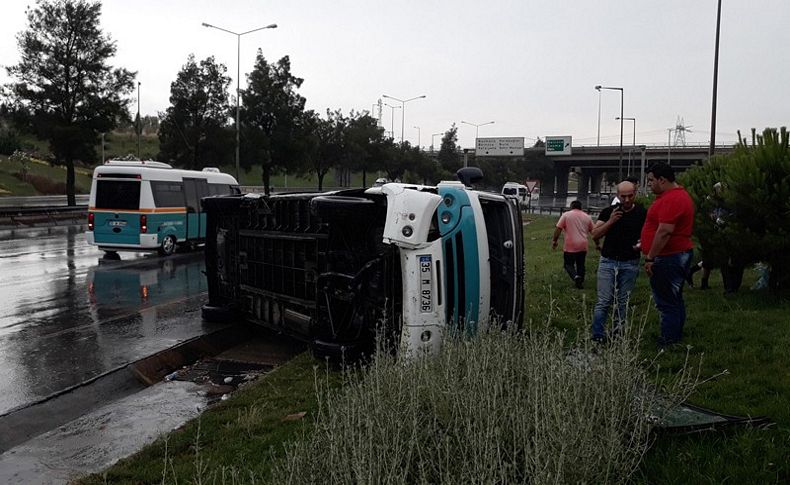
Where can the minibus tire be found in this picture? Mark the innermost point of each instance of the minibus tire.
(217, 314)
(168, 245)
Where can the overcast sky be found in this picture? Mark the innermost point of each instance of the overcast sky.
(529, 65)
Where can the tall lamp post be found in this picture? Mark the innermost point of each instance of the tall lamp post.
(477, 128)
(620, 165)
(402, 113)
(139, 127)
(715, 86)
(238, 79)
(418, 135)
(433, 137)
(634, 120)
(633, 146)
(392, 121)
(598, 88)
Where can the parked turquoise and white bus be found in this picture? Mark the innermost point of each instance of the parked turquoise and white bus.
(146, 205)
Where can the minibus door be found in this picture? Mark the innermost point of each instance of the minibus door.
(194, 190)
(193, 206)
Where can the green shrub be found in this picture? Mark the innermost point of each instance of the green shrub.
(753, 201)
(496, 408)
(9, 141)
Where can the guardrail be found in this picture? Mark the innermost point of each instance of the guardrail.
(30, 216)
(40, 201)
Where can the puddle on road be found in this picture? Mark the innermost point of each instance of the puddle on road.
(95, 441)
(100, 438)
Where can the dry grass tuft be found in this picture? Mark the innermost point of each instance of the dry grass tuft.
(501, 407)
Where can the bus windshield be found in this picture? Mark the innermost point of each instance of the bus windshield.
(118, 194)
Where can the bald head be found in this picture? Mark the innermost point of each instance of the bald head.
(625, 187)
(626, 192)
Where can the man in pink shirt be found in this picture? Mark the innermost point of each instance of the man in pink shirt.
(577, 226)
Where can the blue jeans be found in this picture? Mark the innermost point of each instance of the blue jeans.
(616, 279)
(669, 275)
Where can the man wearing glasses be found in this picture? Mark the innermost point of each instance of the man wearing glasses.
(666, 244)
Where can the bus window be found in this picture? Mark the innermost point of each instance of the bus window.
(118, 194)
(221, 189)
(168, 194)
(202, 188)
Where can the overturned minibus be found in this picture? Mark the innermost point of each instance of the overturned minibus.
(337, 270)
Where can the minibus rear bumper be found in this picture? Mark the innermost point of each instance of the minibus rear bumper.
(148, 242)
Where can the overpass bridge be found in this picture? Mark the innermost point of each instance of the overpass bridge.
(590, 163)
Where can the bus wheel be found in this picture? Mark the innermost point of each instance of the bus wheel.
(111, 255)
(168, 246)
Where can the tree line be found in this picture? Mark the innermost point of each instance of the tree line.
(65, 91)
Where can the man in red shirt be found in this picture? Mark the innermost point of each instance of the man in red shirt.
(577, 226)
(666, 244)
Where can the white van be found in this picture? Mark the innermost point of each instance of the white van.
(517, 190)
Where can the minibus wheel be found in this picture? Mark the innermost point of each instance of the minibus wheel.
(168, 245)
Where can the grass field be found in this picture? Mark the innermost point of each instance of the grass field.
(747, 335)
(11, 185)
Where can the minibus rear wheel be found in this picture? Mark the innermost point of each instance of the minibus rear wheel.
(168, 245)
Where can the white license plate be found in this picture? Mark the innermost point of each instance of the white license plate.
(426, 286)
(118, 223)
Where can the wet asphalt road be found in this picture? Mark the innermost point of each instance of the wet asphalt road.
(67, 315)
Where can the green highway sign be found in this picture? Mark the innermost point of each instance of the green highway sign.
(558, 145)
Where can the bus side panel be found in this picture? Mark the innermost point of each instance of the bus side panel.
(169, 223)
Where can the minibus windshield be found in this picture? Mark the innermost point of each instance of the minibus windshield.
(118, 194)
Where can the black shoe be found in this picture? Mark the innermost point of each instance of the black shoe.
(598, 339)
(579, 282)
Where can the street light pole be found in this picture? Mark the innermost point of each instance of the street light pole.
(238, 80)
(631, 151)
(139, 127)
(598, 88)
(402, 113)
(433, 137)
(418, 136)
(477, 128)
(392, 121)
(620, 165)
(715, 85)
(634, 120)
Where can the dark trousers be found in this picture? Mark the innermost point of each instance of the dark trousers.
(732, 276)
(574, 264)
(669, 275)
